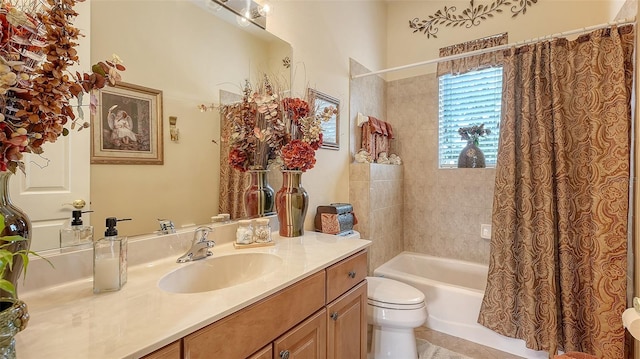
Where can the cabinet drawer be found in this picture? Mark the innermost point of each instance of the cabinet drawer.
(243, 333)
(345, 274)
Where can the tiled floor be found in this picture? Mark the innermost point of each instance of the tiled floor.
(465, 347)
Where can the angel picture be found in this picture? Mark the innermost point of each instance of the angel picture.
(121, 126)
(127, 129)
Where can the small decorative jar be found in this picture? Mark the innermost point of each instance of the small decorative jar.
(262, 232)
(244, 233)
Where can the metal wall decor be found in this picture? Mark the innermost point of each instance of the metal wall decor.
(469, 17)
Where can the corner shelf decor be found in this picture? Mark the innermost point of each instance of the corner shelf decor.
(469, 17)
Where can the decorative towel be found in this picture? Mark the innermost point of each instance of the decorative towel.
(375, 137)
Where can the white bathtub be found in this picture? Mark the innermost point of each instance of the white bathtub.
(453, 292)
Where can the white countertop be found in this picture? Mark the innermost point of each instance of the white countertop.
(69, 321)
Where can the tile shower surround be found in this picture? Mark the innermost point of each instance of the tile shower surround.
(375, 191)
(440, 210)
(443, 207)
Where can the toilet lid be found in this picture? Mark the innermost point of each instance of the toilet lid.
(389, 291)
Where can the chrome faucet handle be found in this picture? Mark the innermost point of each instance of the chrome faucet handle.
(166, 226)
(201, 233)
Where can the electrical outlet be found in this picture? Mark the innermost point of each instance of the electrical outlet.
(485, 231)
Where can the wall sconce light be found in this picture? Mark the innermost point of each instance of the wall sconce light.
(174, 132)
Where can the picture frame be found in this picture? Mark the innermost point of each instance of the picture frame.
(127, 126)
(331, 128)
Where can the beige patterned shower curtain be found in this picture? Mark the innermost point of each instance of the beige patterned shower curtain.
(559, 248)
(232, 182)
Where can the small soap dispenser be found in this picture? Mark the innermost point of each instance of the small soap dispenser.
(76, 234)
(110, 259)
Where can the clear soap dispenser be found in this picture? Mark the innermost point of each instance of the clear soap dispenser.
(76, 234)
(110, 259)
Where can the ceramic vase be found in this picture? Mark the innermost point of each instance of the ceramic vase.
(13, 318)
(471, 156)
(14, 223)
(292, 201)
(259, 196)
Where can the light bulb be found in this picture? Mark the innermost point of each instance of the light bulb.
(265, 9)
(243, 20)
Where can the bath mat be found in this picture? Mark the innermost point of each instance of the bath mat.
(427, 350)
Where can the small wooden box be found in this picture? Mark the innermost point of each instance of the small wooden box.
(335, 218)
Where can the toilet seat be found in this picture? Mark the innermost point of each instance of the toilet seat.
(395, 306)
(392, 294)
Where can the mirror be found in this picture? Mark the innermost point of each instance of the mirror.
(189, 50)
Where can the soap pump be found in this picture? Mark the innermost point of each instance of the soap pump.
(76, 233)
(110, 259)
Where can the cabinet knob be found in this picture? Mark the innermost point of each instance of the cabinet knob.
(334, 316)
(284, 354)
(352, 274)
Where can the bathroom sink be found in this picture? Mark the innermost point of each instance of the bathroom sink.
(219, 272)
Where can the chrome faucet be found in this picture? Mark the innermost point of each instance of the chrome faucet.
(200, 246)
(166, 226)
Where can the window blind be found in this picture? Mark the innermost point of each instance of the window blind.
(465, 100)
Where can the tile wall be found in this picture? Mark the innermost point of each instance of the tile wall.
(376, 193)
(443, 208)
(440, 210)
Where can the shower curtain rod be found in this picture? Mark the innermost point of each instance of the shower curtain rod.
(498, 48)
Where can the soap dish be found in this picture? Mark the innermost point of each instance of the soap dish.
(253, 245)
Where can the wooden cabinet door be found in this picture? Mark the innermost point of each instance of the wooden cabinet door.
(264, 353)
(347, 325)
(171, 351)
(306, 341)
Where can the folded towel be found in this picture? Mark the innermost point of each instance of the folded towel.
(389, 130)
(378, 126)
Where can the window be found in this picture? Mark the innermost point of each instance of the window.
(469, 99)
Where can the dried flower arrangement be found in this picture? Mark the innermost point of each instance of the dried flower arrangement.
(37, 46)
(264, 128)
(257, 129)
(473, 133)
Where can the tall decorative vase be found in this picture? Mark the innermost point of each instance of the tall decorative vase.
(292, 201)
(13, 318)
(15, 223)
(259, 196)
(471, 156)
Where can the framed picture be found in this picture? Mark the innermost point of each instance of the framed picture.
(330, 129)
(127, 128)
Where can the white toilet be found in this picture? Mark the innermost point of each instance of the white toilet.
(394, 309)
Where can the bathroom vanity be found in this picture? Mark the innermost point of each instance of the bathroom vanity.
(311, 305)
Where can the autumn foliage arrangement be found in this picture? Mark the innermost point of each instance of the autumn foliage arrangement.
(37, 47)
(269, 130)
